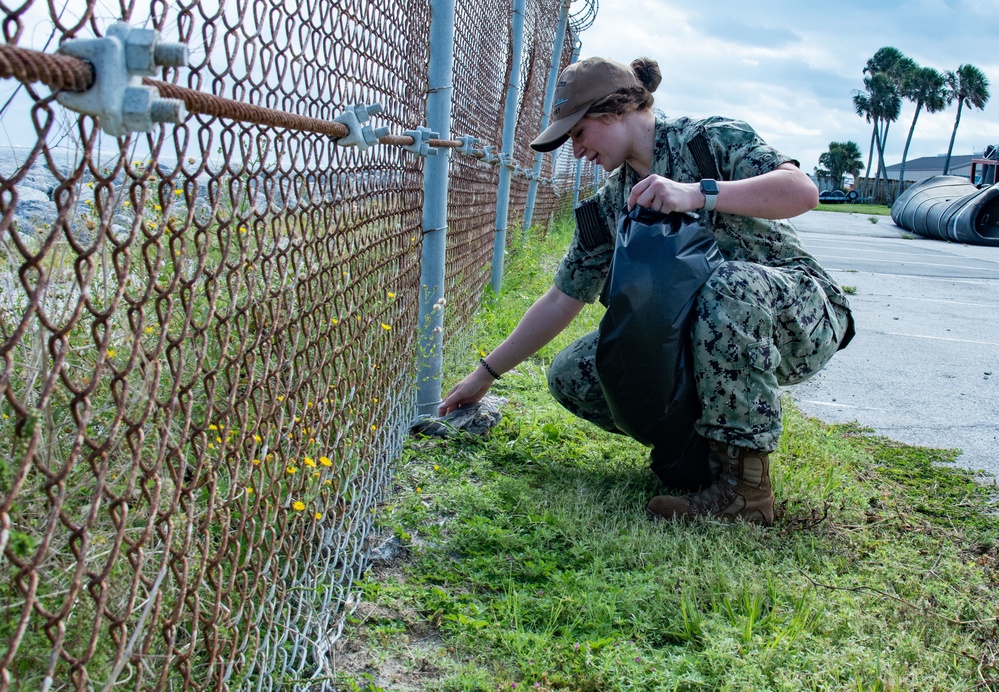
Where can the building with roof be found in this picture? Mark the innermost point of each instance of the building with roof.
(927, 166)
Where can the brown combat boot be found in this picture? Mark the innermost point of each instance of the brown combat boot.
(742, 490)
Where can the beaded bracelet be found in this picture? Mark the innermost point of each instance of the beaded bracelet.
(489, 369)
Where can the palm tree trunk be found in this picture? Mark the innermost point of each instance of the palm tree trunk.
(881, 167)
(870, 157)
(953, 135)
(905, 152)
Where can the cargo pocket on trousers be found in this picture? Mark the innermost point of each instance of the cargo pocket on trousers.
(763, 392)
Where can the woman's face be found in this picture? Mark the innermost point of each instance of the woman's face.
(605, 143)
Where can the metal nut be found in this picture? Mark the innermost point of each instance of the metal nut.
(140, 47)
(136, 106)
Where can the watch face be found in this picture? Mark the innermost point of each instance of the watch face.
(709, 187)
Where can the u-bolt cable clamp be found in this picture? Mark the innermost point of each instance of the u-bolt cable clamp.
(421, 141)
(118, 97)
(361, 134)
(468, 144)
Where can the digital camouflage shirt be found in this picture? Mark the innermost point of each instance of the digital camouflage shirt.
(738, 153)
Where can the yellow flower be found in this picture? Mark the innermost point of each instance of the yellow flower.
(249, 491)
(386, 327)
(256, 462)
(242, 229)
(391, 295)
(150, 329)
(334, 321)
(436, 467)
(125, 204)
(257, 439)
(310, 463)
(374, 427)
(280, 398)
(111, 353)
(291, 469)
(219, 440)
(419, 489)
(325, 461)
(298, 505)
(213, 427)
(326, 482)
(178, 192)
(315, 475)
(157, 207)
(319, 515)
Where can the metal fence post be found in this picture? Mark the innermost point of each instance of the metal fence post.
(430, 338)
(506, 158)
(532, 191)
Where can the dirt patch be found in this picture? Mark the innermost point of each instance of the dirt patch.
(389, 648)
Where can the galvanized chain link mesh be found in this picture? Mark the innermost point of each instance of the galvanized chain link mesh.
(208, 337)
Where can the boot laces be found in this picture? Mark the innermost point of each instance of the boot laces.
(715, 497)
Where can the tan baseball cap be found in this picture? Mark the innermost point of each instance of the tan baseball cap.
(580, 86)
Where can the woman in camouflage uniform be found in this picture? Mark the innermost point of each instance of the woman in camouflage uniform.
(768, 316)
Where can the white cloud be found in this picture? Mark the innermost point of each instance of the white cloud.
(790, 68)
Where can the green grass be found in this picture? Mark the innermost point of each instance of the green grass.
(528, 562)
(869, 209)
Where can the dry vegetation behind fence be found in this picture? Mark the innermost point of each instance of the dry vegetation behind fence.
(208, 335)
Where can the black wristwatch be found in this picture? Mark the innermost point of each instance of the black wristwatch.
(710, 189)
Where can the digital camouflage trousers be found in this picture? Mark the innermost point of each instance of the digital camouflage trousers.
(754, 328)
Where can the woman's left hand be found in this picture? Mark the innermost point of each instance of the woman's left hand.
(662, 194)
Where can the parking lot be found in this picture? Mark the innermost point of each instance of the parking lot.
(924, 366)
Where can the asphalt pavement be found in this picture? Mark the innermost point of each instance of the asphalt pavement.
(924, 366)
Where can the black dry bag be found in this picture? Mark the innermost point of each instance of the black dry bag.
(644, 358)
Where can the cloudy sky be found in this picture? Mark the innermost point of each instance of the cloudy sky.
(791, 67)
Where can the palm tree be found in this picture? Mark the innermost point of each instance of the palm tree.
(862, 106)
(897, 66)
(968, 85)
(881, 104)
(923, 86)
(892, 62)
(842, 157)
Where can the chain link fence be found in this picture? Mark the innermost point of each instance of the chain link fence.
(209, 331)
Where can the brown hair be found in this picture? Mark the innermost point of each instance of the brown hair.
(631, 98)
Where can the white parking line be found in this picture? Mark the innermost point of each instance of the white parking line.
(910, 277)
(839, 405)
(920, 299)
(907, 262)
(943, 338)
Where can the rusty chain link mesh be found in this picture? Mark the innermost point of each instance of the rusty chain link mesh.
(208, 336)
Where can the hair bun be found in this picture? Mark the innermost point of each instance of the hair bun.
(647, 71)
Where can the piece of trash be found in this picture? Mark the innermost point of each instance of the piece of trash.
(475, 419)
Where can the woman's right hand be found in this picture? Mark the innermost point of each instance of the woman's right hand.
(468, 391)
